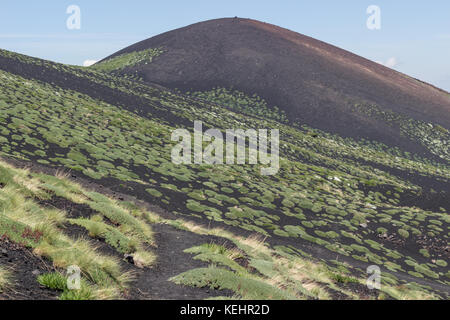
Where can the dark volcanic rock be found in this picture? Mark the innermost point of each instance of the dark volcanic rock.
(313, 82)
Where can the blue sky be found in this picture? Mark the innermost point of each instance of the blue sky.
(414, 37)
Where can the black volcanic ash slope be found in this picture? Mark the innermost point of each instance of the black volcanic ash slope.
(313, 82)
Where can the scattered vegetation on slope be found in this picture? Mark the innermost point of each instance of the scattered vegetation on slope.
(252, 270)
(358, 200)
(126, 60)
(240, 102)
(25, 222)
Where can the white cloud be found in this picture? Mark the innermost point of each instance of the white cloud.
(88, 63)
(390, 63)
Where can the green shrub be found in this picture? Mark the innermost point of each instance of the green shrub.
(403, 233)
(154, 192)
(441, 263)
(216, 278)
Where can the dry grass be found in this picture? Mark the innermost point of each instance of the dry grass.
(299, 276)
(5, 278)
(17, 205)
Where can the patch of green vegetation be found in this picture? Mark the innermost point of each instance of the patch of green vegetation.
(425, 270)
(154, 192)
(240, 102)
(441, 263)
(127, 60)
(97, 228)
(19, 232)
(56, 281)
(216, 278)
(425, 253)
(219, 255)
(339, 278)
(429, 135)
(403, 233)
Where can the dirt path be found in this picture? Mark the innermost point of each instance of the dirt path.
(153, 283)
(25, 268)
